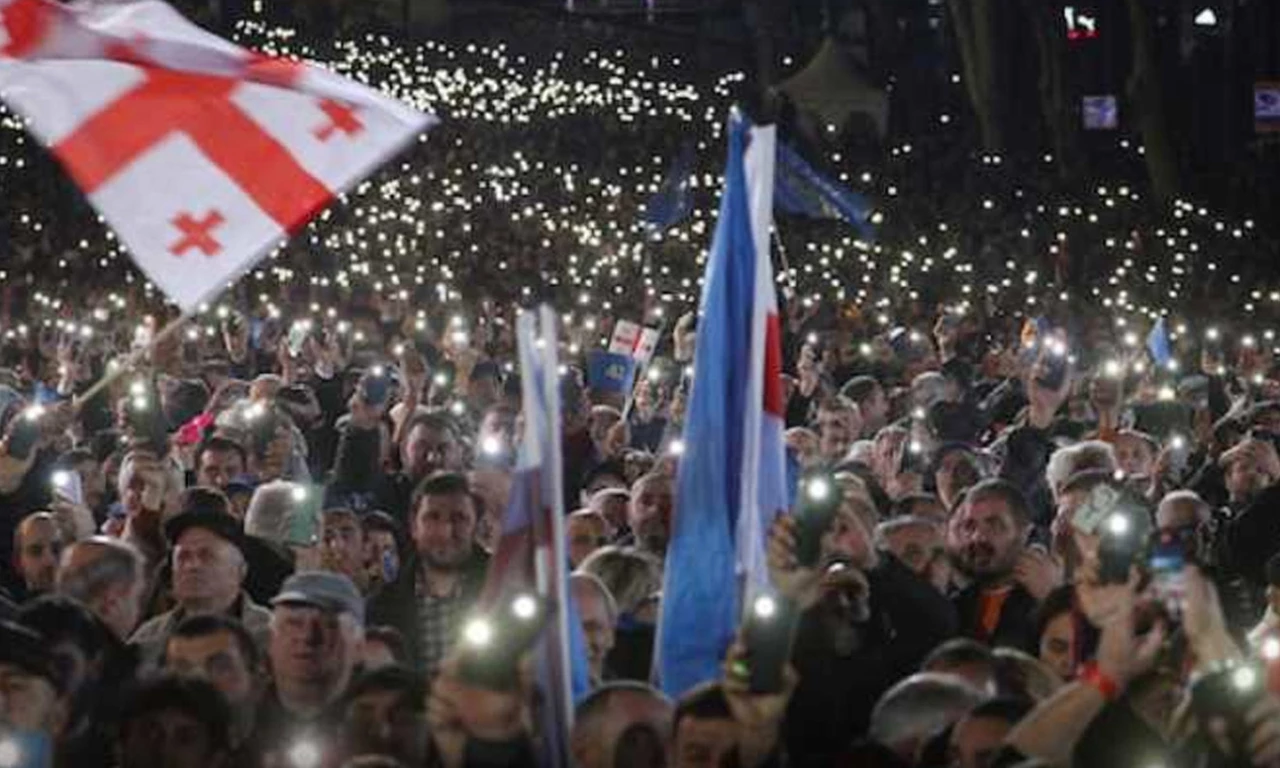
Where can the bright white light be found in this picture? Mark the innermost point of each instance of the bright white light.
(1177, 442)
(478, 633)
(818, 489)
(765, 607)
(62, 478)
(491, 445)
(1112, 369)
(1118, 525)
(1206, 18)
(676, 448)
(305, 754)
(524, 607)
(10, 754)
(299, 493)
(1271, 649)
(1244, 679)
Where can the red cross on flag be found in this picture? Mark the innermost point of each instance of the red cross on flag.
(200, 154)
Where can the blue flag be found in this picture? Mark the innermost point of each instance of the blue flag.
(731, 481)
(801, 189)
(674, 198)
(1158, 343)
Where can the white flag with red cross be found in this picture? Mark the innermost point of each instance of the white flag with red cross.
(201, 155)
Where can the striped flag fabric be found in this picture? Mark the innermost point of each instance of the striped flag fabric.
(731, 481)
(531, 554)
(201, 155)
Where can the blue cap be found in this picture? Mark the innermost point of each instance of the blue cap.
(332, 592)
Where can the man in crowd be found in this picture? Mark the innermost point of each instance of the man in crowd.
(439, 583)
(585, 530)
(385, 714)
(1007, 578)
(649, 514)
(873, 404)
(219, 461)
(31, 699)
(317, 627)
(344, 545)
(37, 543)
(599, 616)
(208, 571)
(839, 424)
(218, 649)
(622, 724)
(105, 575)
(171, 721)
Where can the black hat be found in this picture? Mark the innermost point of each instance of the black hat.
(25, 648)
(219, 523)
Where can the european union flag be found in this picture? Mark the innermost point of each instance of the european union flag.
(801, 189)
(674, 199)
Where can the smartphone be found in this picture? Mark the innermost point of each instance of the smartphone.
(816, 508)
(298, 333)
(262, 423)
(21, 748)
(145, 421)
(1162, 420)
(303, 527)
(1122, 524)
(492, 644)
(375, 385)
(1179, 453)
(768, 630)
(915, 459)
(1054, 368)
(1229, 695)
(24, 432)
(1167, 563)
(67, 486)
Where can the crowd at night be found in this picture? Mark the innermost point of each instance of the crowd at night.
(1030, 426)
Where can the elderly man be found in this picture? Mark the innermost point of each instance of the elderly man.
(317, 628)
(208, 570)
(586, 530)
(150, 488)
(839, 424)
(649, 515)
(599, 615)
(37, 543)
(105, 575)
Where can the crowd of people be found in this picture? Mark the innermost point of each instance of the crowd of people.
(1051, 541)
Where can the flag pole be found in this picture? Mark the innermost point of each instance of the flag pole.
(641, 374)
(113, 375)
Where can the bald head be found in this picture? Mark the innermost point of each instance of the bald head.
(1181, 509)
(37, 543)
(106, 576)
(622, 724)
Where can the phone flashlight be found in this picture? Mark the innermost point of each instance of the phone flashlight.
(818, 489)
(61, 478)
(765, 607)
(478, 633)
(1270, 649)
(1118, 525)
(490, 445)
(305, 753)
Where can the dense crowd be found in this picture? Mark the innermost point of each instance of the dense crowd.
(1051, 541)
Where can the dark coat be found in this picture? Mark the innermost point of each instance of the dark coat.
(1017, 625)
(396, 604)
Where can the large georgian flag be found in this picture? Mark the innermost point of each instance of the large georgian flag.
(201, 155)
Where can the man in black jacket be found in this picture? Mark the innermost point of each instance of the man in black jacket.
(867, 623)
(1007, 579)
(439, 583)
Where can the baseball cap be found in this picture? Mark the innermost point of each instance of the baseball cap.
(327, 591)
(26, 649)
(219, 523)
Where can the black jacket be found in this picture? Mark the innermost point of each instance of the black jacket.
(396, 604)
(840, 685)
(1017, 625)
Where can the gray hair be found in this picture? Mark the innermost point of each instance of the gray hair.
(1074, 459)
(630, 576)
(271, 508)
(920, 706)
(893, 525)
(116, 563)
(593, 581)
(928, 388)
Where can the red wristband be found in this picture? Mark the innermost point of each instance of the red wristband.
(1094, 677)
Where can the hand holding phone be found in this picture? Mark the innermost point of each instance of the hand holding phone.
(768, 629)
(816, 508)
(492, 644)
